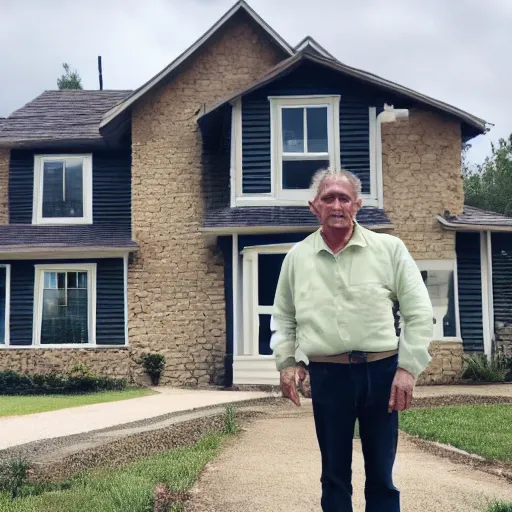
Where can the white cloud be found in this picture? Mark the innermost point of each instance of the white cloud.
(456, 52)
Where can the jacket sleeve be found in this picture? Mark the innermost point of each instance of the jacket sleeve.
(416, 312)
(283, 323)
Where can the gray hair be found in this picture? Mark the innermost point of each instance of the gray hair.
(322, 175)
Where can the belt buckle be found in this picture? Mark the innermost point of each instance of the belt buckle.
(356, 357)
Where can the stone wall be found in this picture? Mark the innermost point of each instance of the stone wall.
(4, 185)
(503, 343)
(422, 177)
(103, 361)
(446, 363)
(176, 282)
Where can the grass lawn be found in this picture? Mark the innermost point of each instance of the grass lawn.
(500, 507)
(485, 430)
(18, 405)
(128, 488)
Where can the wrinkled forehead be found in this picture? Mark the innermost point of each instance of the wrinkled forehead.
(339, 185)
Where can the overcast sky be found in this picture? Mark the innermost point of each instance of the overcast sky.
(457, 51)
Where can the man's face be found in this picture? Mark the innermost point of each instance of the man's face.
(336, 205)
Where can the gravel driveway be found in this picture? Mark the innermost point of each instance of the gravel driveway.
(275, 465)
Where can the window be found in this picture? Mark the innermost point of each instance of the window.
(5, 278)
(305, 138)
(65, 299)
(440, 278)
(62, 189)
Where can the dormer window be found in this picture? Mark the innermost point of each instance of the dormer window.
(305, 138)
(62, 189)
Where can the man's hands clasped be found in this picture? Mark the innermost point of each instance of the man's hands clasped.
(295, 379)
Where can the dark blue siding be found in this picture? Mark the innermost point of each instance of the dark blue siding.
(470, 291)
(355, 101)
(110, 326)
(502, 276)
(111, 186)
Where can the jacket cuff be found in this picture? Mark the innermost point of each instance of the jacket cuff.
(290, 361)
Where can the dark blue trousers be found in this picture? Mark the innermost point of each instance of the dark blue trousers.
(340, 394)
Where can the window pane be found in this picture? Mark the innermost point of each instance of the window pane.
(53, 191)
(3, 289)
(293, 130)
(317, 130)
(264, 336)
(61, 280)
(269, 267)
(440, 287)
(63, 188)
(64, 318)
(50, 280)
(297, 174)
(72, 280)
(82, 280)
(73, 204)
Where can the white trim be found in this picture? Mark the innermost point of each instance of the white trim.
(125, 294)
(376, 185)
(267, 249)
(490, 289)
(455, 226)
(37, 200)
(7, 311)
(247, 305)
(91, 269)
(240, 5)
(485, 295)
(234, 292)
(450, 266)
(265, 310)
(58, 253)
(236, 151)
(268, 200)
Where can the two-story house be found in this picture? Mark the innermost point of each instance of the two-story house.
(157, 220)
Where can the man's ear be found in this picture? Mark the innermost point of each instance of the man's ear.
(312, 208)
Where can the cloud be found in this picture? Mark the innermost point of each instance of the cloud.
(456, 52)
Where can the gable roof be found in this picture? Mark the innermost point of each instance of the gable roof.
(59, 115)
(308, 41)
(286, 66)
(241, 5)
(476, 219)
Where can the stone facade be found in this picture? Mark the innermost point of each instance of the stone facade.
(446, 363)
(4, 185)
(176, 282)
(103, 361)
(503, 342)
(422, 177)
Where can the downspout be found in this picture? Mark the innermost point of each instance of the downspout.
(388, 115)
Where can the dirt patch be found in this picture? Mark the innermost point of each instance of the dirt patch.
(449, 400)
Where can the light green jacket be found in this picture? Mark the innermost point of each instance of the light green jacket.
(329, 303)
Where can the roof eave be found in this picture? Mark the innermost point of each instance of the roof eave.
(240, 5)
(246, 230)
(14, 252)
(457, 226)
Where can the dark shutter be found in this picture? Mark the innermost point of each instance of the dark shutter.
(502, 276)
(470, 291)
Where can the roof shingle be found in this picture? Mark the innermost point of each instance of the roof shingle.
(472, 217)
(60, 115)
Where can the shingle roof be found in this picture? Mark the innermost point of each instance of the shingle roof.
(60, 115)
(476, 219)
(16, 237)
(224, 219)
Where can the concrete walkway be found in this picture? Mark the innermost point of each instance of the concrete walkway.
(275, 466)
(17, 430)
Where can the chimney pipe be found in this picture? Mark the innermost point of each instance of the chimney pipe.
(100, 72)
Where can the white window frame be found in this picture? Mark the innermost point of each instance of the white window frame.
(278, 197)
(451, 266)
(91, 269)
(37, 206)
(7, 303)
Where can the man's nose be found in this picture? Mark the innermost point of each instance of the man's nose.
(337, 203)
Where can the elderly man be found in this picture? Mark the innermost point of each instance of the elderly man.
(334, 304)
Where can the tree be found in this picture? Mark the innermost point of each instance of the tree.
(489, 185)
(69, 79)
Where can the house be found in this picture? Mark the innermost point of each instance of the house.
(156, 220)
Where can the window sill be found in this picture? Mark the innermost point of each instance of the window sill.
(242, 201)
(61, 222)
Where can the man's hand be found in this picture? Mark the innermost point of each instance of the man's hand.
(292, 379)
(401, 391)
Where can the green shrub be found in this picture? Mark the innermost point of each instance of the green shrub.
(12, 383)
(230, 423)
(481, 369)
(500, 507)
(154, 365)
(13, 476)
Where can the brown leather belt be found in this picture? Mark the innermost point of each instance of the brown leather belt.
(353, 357)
